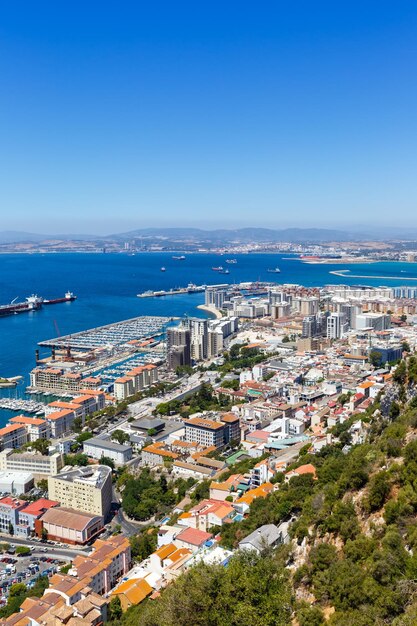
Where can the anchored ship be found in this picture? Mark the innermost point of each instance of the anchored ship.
(32, 303)
(69, 297)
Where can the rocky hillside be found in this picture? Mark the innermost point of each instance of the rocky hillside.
(352, 560)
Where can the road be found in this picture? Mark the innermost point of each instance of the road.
(53, 551)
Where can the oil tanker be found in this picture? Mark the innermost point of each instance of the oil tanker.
(32, 303)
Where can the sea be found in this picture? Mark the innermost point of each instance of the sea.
(106, 286)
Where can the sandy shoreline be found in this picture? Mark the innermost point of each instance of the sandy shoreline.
(214, 312)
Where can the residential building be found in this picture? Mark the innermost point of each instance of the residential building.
(210, 432)
(60, 422)
(33, 511)
(13, 436)
(206, 514)
(97, 448)
(205, 431)
(9, 514)
(337, 325)
(132, 592)
(156, 454)
(36, 428)
(39, 465)
(84, 489)
(373, 320)
(262, 538)
(178, 347)
(192, 538)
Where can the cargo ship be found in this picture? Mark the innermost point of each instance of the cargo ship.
(32, 303)
(69, 297)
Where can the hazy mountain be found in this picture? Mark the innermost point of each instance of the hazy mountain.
(242, 234)
(16, 236)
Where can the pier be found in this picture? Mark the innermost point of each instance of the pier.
(111, 335)
(191, 288)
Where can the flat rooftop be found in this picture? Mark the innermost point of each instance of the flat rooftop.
(94, 475)
(105, 444)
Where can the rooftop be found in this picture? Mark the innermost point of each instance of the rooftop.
(94, 475)
(68, 518)
(106, 444)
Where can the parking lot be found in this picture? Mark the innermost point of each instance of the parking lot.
(25, 569)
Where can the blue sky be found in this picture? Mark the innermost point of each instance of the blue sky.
(122, 115)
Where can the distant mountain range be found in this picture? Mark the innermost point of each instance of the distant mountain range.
(217, 236)
(17, 236)
(241, 234)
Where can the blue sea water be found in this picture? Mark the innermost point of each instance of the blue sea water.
(106, 286)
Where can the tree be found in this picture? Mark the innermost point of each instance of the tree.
(84, 436)
(231, 384)
(250, 590)
(41, 445)
(144, 544)
(105, 460)
(120, 436)
(400, 373)
(42, 484)
(115, 609)
(76, 459)
(310, 616)
(11, 529)
(379, 489)
(77, 424)
(375, 358)
(23, 550)
(394, 410)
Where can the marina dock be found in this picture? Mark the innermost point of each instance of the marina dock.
(111, 335)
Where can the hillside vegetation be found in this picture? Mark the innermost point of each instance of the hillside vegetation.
(353, 556)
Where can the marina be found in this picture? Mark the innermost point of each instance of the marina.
(18, 405)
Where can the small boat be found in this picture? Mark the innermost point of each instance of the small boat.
(231, 261)
(163, 269)
(226, 271)
(179, 258)
(217, 269)
(276, 270)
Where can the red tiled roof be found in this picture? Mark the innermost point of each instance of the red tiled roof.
(194, 536)
(40, 506)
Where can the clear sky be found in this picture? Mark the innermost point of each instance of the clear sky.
(119, 115)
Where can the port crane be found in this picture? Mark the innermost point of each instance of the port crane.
(68, 356)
